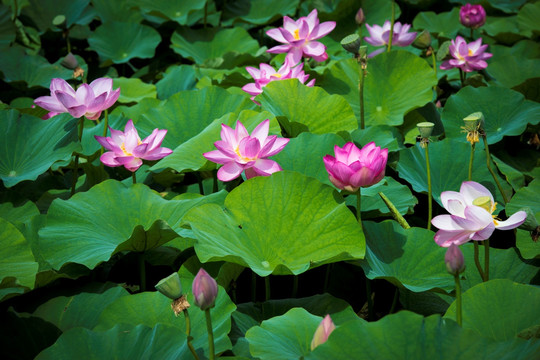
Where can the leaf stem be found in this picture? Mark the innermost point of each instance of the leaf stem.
(430, 196)
(188, 333)
(359, 206)
(477, 259)
(458, 300)
(434, 60)
(473, 146)
(391, 35)
(369, 300)
(76, 170)
(488, 163)
(210, 334)
(486, 260)
(394, 211)
(134, 177)
(362, 75)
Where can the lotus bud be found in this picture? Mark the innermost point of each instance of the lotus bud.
(454, 260)
(204, 290)
(351, 43)
(170, 286)
(360, 18)
(422, 41)
(323, 331)
(472, 16)
(70, 62)
(425, 128)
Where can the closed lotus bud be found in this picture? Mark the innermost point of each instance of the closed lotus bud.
(425, 128)
(70, 62)
(204, 290)
(351, 43)
(170, 286)
(422, 41)
(360, 18)
(472, 16)
(323, 331)
(455, 263)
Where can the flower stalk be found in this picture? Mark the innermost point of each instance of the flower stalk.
(391, 35)
(430, 197)
(210, 334)
(188, 334)
(458, 300)
(76, 170)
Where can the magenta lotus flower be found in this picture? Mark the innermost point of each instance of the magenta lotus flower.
(470, 216)
(454, 260)
(88, 100)
(204, 290)
(467, 57)
(379, 36)
(238, 151)
(472, 16)
(299, 37)
(266, 74)
(353, 168)
(323, 331)
(127, 149)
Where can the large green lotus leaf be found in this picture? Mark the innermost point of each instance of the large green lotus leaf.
(528, 19)
(513, 66)
(85, 231)
(188, 156)
(206, 44)
(444, 25)
(311, 106)
(152, 308)
(259, 12)
(528, 196)
(42, 12)
(376, 12)
(133, 89)
(20, 214)
(502, 118)
(528, 248)
(512, 175)
(7, 29)
(123, 41)
(175, 79)
(504, 29)
(171, 9)
(280, 224)
(31, 145)
(499, 309)
(109, 11)
(407, 335)
(382, 135)
(81, 310)
(448, 161)
(429, 113)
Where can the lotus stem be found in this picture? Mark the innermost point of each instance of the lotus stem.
(253, 287)
(473, 146)
(215, 184)
(76, 170)
(434, 60)
(134, 177)
(210, 334)
(430, 196)
(488, 163)
(361, 92)
(458, 300)
(486, 260)
(369, 299)
(394, 211)
(359, 206)
(106, 125)
(394, 301)
(267, 287)
(477, 260)
(392, 26)
(472, 34)
(462, 77)
(142, 271)
(188, 333)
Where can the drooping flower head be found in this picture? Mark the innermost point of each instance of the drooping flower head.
(353, 168)
(88, 100)
(323, 331)
(239, 151)
(472, 16)
(467, 57)
(299, 37)
(128, 150)
(379, 36)
(204, 290)
(470, 216)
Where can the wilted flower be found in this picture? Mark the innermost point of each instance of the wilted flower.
(127, 149)
(204, 290)
(88, 100)
(239, 151)
(454, 260)
(470, 216)
(298, 37)
(324, 330)
(379, 36)
(472, 16)
(467, 57)
(353, 168)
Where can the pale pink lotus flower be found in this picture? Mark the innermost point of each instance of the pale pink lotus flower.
(266, 74)
(379, 36)
(454, 260)
(204, 290)
(239, 151)
(323, 331)
(128, 150)
(472, 16)
(88, 100)
(299, 37)
(467, 57)
(353, 168)
(470, 216)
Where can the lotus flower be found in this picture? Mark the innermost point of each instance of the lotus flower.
(324, 330)
(454, 260)
(127, 149)
(204, 289)
(298, 37)
(472, 16)
(239, 151)
(353, 168)
(467, 57)
(379, 36)
(266, 74)
(470, 216)
(88, 100)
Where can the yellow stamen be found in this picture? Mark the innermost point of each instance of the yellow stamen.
(471, 52)
(246, 159)
(123, 147)
(277, 75)
(297, 34)
(484, 202)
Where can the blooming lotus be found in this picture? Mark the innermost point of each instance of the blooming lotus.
(379, 36)
(88, 100)
(472, 16)
(353, 168)
(470, 216)
(128, 150)
(323, 331)
(467, 57)
(204, 290)
(299, 37)
(239, 151)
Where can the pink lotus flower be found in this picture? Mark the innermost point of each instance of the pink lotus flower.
(467, 57)
(470, 216)
(204, 290)
(353, 168)
(127, 149)
(379, 36)
(472, 16)
(266, 74)
(88, 100)
(239, 151)
(323, 331)
(299, 37)
(454, 260)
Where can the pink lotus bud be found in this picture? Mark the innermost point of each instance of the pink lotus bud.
(204, 290)
(472, 16)
(455, 263)
(323, 331)
(360, 18)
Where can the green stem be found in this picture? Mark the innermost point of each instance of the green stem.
(472, 33)
(68, 43)
(142, 270)
(76, 170)
(253, 287)
(359, 206)
(210, 334)
(458, 299)
(199, 181)
(267, 287)
(430, 197)
(473, 146)
(361, 92)
(394, 301)
(462, 77)
(106, 125)
(434, 60)
(488, 162)
(188, 333)
(205, 13)
(134, 177)
(477, 259)
(392, 26)
(295, 286)
(394, 211)
(486, 260)
(369, 300)
(215, 185)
